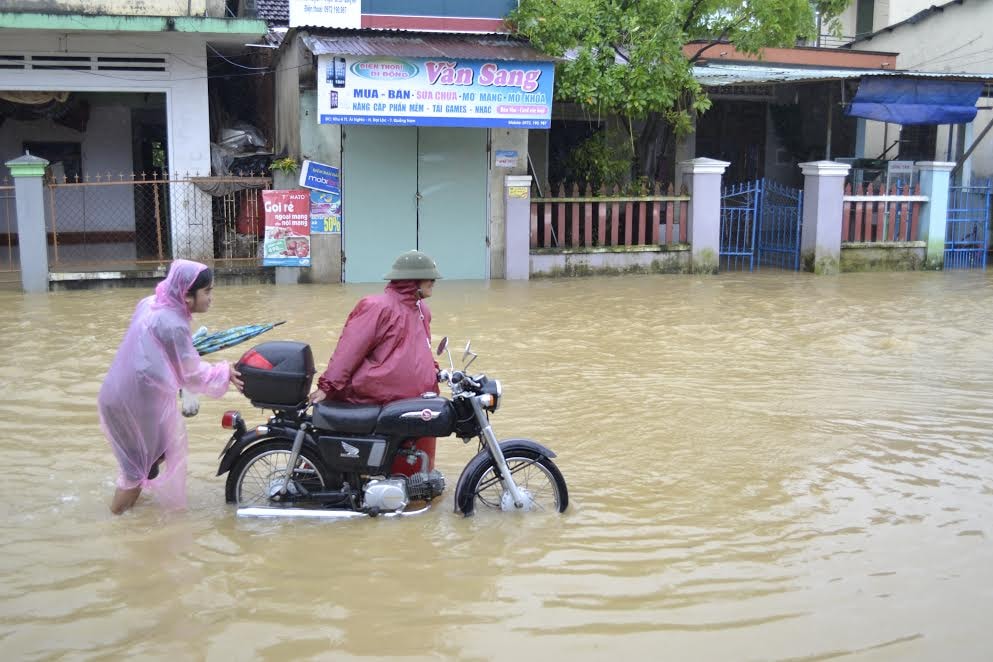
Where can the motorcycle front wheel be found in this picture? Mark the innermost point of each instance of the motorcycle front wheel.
(535, 475)
(260, 473)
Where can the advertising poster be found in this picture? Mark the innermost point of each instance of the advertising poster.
(434, 92)
(325, 212)
(320, 176)
(505, 158)
(287, 228)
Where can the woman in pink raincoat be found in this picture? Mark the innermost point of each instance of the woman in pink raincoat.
(137, 402)
(384, 352)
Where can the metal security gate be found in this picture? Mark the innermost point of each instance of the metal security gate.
(415, 187)
(760, 226)
(9, 252)
(967, 226)
(779, 226)
(739, 221)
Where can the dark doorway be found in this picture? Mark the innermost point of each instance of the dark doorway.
(734, 131)
(149, 150)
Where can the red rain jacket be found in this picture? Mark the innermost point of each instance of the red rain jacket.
(384, 352)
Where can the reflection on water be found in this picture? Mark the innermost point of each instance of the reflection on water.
(760, 467)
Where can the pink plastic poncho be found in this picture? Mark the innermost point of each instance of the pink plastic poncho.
(137, 403)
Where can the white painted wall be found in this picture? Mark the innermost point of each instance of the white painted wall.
(121, 7)
(185, 83)
(105, 146)
(185, 87)
(884, 13)
(957, 40)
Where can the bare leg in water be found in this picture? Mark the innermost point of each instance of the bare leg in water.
(124, 499)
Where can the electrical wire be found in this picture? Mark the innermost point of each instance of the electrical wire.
(940, 56)
(235, 64)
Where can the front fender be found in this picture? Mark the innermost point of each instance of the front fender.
(484, 456)
(250, 438)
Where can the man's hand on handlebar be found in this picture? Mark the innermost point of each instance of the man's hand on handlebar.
(317, 396)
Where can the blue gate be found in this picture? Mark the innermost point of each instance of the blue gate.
(779, 226)
(760, 226)
(740, 205)
(967, 226)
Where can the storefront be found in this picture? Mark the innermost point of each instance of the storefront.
(423, 128)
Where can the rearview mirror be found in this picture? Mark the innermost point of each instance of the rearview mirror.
(443, 345)
(468, 354)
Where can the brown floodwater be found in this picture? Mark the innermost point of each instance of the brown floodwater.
(761, 467)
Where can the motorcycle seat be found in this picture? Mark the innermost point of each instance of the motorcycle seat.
(342, 417)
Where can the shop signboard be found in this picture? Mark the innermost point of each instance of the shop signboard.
(326, 13)
(287, 228)
(402, 91)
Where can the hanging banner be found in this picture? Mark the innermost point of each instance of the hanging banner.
(287, 229)
(326, 13)
(325, 212)
(434, 92)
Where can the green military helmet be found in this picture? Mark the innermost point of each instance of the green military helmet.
(413, 265)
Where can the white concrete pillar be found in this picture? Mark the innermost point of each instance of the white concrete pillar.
(702, 176)
(517, 227)
(32, 240)
(935, 178)
(823, 201)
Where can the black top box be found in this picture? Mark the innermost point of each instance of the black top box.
(277, 374)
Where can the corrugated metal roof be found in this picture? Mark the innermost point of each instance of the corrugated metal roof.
(407, 44)
(714, 75)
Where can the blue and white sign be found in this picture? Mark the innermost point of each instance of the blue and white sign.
(434, 92)
(320, 177)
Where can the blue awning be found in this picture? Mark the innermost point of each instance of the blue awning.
(915, 100)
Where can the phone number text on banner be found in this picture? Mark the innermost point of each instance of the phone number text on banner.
(434, 92)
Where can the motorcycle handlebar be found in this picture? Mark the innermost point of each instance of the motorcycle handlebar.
(458, 377)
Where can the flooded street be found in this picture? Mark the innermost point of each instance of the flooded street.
(761, 467)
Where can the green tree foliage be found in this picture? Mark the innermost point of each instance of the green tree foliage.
(625, 57)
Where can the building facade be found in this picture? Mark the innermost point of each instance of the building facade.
(115, 88)
(952, 37)
(423, 123)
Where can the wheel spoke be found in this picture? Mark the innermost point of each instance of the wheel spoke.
(268, 471)
(544, 493)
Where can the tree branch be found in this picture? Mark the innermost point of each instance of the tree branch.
(720, 38)
(691, 14)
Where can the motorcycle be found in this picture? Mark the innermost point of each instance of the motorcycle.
(333, 459)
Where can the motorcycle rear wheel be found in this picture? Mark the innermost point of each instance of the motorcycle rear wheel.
(260, 472)
(533, 473)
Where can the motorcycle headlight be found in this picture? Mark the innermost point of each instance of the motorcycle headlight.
(491, 395)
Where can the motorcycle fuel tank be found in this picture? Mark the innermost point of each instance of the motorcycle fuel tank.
(417, 417)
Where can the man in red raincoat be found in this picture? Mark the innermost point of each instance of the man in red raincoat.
(384, 352)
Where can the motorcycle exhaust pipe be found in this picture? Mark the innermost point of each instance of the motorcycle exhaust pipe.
(321, 514)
